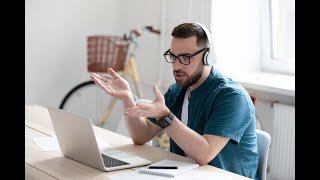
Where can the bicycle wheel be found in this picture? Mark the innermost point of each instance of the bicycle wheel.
(69, 94)
(90, 100)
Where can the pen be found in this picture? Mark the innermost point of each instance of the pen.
(163, 167)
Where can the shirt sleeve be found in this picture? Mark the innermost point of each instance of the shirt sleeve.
(230, 115)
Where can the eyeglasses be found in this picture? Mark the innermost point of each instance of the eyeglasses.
(183, 58)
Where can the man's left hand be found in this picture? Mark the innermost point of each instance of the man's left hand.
(156, 109)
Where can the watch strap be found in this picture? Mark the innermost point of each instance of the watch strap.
(166, 121)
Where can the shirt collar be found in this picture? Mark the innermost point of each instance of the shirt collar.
(203, 87)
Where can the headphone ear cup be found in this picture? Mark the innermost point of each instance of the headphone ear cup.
(205, 58)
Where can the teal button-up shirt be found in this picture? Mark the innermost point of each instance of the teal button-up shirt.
(221, 107)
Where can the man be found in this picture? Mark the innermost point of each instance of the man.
(208, 117)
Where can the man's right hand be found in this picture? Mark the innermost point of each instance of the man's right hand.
(115, 86)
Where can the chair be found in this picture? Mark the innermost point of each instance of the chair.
(263, 140)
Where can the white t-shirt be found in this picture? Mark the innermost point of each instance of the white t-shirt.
(184, 113)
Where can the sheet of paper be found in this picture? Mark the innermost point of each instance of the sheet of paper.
(183, 167)
(47, 143)
(201, 175)
(191, 175)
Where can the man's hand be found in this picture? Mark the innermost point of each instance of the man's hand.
(157, 108)
(115, 86)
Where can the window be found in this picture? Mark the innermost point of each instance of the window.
(279, 46)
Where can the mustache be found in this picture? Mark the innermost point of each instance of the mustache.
(179, 72)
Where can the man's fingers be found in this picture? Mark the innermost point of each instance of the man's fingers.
(104, 82)
(145, 106)
(106, 76)
(157, 92)
(108, 90)
(136, 112)
(132, 115)
(113, 73)
(132, 109)
(104, 79)
(102, 85)
(97, 80)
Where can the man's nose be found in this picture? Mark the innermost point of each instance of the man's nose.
(176, 65)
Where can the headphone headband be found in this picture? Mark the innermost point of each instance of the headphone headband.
(211, 57)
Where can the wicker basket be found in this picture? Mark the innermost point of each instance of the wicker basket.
(106, 51)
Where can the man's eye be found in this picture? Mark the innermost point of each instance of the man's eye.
(172, 57)
(185, 58)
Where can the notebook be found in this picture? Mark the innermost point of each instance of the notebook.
(182, 167)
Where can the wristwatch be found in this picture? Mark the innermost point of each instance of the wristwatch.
(166, 121)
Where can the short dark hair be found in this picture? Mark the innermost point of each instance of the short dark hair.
(186, 30)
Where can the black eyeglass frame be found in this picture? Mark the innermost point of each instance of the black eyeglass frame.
(182, 55)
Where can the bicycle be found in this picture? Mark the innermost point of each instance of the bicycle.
(105, 51)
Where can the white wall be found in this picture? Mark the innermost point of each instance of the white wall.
(237, 34)
(56, 31)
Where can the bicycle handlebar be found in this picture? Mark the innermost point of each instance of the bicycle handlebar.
(151, 29)
(136, 33)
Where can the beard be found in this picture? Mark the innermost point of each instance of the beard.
(192, 79)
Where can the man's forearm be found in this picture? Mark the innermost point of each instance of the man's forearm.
(138, 127)
(192, 143)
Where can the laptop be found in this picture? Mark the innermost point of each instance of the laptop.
(77, 141)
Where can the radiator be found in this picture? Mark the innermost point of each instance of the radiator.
(282, 149)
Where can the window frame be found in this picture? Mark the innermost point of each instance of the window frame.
(270, 63)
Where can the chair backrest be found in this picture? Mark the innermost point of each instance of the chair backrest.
(263, 140)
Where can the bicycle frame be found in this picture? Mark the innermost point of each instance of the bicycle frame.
(130, 69)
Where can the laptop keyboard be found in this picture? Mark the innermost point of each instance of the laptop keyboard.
(112, 162)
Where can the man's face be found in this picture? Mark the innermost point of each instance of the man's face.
(186, 75)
